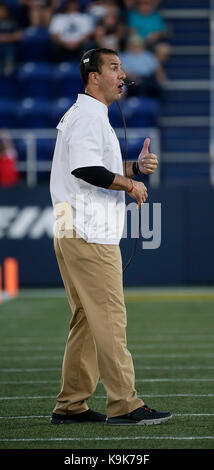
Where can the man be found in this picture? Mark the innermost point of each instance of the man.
(69, 31)
(88, 189)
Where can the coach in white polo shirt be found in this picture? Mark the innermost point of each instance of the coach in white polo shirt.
(86, 139)
(87, 189)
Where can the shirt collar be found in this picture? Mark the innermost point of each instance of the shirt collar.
(83, 98)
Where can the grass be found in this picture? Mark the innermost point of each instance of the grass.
(170, 335)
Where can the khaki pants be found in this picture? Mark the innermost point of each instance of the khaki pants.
(96, 345)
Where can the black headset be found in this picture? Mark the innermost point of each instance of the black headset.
(87, 60)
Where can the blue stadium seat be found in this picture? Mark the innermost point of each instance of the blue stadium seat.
(84, 3)
(8, 86)
(66, 80)
(134, 147)
(186, 172)
(185, 139)
(35, 45)
(35, 114)
(185, 67)
(20, 145)
(35, 79)
(114, 115)
(8, 113)
(59, 108)
(45, 149)
(180, 4)
(141, 111)
(185, 102)
(138, 112)
(189, 32)
(185, 108)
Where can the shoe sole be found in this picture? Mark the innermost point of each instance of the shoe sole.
(69, 421)
(139, 423)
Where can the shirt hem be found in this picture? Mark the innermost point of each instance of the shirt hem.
(99, 241)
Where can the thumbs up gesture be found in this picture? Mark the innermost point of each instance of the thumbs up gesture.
(147, 162)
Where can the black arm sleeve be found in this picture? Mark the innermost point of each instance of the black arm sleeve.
(96, 175)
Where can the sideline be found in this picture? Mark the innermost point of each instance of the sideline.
(135, 294)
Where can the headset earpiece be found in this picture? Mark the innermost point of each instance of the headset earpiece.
(87, 60)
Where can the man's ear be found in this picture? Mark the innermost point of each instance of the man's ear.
(94, 77)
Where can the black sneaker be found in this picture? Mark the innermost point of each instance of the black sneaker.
(88, 416)
(142, 415)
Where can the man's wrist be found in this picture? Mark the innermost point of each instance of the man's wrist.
(135, 168)
(131, 187)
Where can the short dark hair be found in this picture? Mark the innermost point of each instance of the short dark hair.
(91, 61)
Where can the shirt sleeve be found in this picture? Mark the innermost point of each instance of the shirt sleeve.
(85, 141)
(96, 175)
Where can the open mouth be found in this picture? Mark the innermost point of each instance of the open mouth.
(120, 87)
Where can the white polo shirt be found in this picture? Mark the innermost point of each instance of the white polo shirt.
(86, 138)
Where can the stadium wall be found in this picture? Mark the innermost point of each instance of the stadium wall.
(185, 255)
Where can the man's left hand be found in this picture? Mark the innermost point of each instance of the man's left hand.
(147, 162)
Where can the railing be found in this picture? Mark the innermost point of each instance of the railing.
(32, 165)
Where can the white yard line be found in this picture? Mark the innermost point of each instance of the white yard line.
(172, 355)
(26, 417)
(174, 380)
(134, 438)
(14, 348)
(191, 415)
(60, 292)
(35, 382)
(99, 397)
(34, 369)
(167, 395)
(171, 368)
(133, 346)
(31, 358)
(140, 339)
(163, 355)
(155, 367)
(38, 397)
(169, 346)
(28, 382)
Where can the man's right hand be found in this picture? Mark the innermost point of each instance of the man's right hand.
(139, 192)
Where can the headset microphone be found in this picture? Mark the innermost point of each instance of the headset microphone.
(128, 83)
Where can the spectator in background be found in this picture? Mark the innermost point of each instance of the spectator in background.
(38, 13)
(9, 175)
(10, 35)
(126, 4)
(97, 9)
(142, 67)
(149, 24)
(110, 30)
(70, 31)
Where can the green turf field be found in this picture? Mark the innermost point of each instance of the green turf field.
(170, 334)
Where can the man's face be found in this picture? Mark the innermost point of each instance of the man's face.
(145, 6)
(111, 78)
